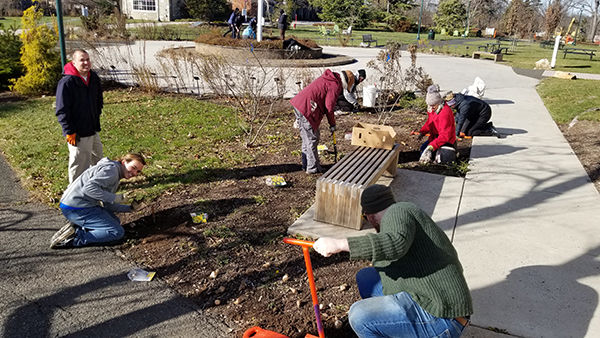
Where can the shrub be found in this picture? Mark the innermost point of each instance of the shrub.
(399, 23)
(214, 37)
(10, 63)
(38, 55)
(209, 10)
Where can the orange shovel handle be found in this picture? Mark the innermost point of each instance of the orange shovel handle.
(300, 242)
(306, 245)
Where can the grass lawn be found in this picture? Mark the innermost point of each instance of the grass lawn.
(8, 21)
(525, 55)
(566, 99)
(181, 136)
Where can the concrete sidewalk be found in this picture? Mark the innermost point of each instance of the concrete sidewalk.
(79, 293)
(527, 217)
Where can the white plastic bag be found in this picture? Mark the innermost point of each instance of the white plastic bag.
(477, 89)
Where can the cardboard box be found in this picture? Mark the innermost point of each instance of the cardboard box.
(373, 136)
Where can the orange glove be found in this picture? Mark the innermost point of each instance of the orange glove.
(461, 134)
(72, 139)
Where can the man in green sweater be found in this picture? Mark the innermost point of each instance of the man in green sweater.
(416, 286)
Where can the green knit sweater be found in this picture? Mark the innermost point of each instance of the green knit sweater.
(412, 254)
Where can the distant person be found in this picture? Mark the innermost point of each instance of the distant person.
(250, 31)
(310, 105)
(441, 144)
(472, 116)
(79, 104)
(347, 102)
(239, 21)
(90, 203)
(416, 286)
(232, 21)
(282, 24)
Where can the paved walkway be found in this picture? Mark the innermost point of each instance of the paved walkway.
(525, 226)
(526, 220)
(78, 293)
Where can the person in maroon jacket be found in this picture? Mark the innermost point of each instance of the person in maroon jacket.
(440, 126)
(310, 105)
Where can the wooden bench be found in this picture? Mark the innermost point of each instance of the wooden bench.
(479, 54)
(550, 43)
(367, 39)
(590, 52)
(338, 192)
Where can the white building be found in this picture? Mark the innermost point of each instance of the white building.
(153, 10)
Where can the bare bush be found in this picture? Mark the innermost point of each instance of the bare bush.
(394, 83)
(251, 88)
(391, 83)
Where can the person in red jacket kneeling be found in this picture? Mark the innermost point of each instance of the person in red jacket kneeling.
(441, 145)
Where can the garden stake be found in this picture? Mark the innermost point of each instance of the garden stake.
(334, 147)
(311, 279)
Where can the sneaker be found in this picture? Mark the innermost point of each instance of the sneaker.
(63, 229)
(64, 237)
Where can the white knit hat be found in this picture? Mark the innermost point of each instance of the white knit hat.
(433, 96)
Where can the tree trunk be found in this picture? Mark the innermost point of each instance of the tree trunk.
(594, 25)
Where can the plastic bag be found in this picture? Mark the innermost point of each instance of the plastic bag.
(140, 275)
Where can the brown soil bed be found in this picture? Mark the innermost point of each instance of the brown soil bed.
(242, 241)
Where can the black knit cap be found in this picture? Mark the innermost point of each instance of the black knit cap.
(362, 73)
(376, 198)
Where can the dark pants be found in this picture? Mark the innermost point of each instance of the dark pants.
(233, 30)
(343, 105)
(480, 126)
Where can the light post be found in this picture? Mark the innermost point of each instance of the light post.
(61, 35)
(420, 15)
(468, 9)
(577, 29)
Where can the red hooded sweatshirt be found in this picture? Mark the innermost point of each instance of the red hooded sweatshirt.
(71, 70)
(319, 98)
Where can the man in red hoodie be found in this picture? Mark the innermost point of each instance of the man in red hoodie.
(310, 105)
(78, 107)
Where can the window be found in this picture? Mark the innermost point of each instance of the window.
(144, 5)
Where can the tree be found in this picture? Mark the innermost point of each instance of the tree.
(345, 12)
(10, 63)
(451, 15)
(209, 10)
(592, 8)
(38, 55)
(521, 18)
(554, 14)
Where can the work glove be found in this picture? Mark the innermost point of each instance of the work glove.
(332, 129)
(427, 155)
(72, 139)
(135, 205)
(123, 198)
(328, 246)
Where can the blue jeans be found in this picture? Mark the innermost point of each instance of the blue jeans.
(396, 315)
(95, 225)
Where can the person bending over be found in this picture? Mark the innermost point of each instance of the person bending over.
(472, 115)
